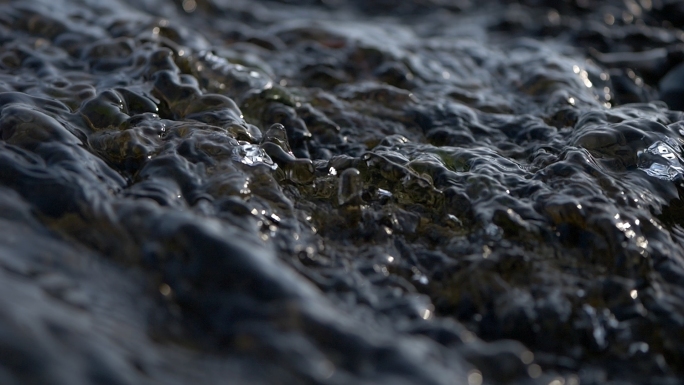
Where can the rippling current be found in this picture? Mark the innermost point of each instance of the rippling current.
(341, 192)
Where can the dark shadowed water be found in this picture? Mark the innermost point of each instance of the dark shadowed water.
(341, 192)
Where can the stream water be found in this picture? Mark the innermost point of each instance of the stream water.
(341, 192)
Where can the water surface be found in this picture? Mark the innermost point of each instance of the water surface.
(341, 192)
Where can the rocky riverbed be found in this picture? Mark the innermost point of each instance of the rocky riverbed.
(341, 192)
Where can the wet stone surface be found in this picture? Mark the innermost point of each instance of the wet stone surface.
(341, 192)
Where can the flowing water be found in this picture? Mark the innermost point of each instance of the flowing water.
(341, 192)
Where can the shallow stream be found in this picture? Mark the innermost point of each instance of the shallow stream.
(341, 192)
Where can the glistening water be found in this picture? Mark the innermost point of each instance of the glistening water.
(341, 192)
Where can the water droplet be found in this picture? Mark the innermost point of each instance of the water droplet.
(638, 347)
(486, 251)
(165, 289)
(609, 19)
(623, 226)
(554, 17)
(474, 377)
(527, 357)
(350, 187)
(642, 242)
(276, 134)
(300, 171)
(189, 6)
(534, 370)
(384, 193)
